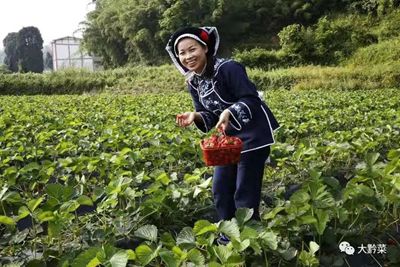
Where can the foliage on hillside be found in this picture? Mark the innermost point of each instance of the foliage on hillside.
(127, 32)
(385, 52)
(328, 42)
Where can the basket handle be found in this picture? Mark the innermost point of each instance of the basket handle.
(220, 130)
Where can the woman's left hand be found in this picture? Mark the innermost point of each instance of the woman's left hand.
(223, 120)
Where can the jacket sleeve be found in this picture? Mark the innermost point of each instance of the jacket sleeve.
(243, 90)
(209, 119)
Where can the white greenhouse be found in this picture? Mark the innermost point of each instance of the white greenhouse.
(67, 54)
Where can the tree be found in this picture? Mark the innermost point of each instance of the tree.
(48, 61)
(103, 35)
(135, 31)
(10, 49)
(29, 49)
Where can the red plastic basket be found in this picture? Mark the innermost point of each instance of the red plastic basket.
(220, 156)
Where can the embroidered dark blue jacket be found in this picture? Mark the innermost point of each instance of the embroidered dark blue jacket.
(230, 88)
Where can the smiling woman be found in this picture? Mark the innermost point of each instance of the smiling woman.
(225, 98)
(192, 54)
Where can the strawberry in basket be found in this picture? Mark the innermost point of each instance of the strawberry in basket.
(221, 150)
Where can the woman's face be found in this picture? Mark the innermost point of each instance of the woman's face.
(192, 54)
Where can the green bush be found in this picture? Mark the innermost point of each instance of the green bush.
(262, 58)
(4, 69)
(388, 27)
(329, 78)
(63, 82)
(382, 53)
(298, 41)
(327, 43)
(166, 79)
(123, 80)
(373, 7)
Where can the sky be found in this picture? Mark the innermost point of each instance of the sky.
(53, 18)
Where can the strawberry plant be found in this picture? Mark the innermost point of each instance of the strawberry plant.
(78, 174)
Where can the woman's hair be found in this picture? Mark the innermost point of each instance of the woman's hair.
(209, 71)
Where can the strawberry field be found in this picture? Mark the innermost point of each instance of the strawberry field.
(110, 180)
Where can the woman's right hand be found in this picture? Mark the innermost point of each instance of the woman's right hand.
(185, 119)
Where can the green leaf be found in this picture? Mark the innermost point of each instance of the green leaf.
(86, 257)
(314, 247)
(343, 215)
(46, 216)
(34, 203)
(396, 182)
(12, 197)
(243, 215)
(3, 191)
(65, 162)
(196, 257)
(169, 258)
(323, 219)
(6, 220)
(23, 212)
(94, 262)
(30, 167)
(125, 150)
(308, 219)
(119, 259)
(214, 264)
(206, 184)
(332, 182)
(131, 254)
(270, 239)
(273, 213)
(371, 158)
(164, 179)
(179, 252)
(300, 197)
(204, 226)
(365, 190)
(145, 254)
(234, 261)
(54, 228)
(240, 246)
(10, 171)
(308, 259)
(314, 174)
(167, 240)
(289, 254)
(60, 192)
(84, 200)
(69, 206)
(248, 233)
(148, 232)
(140, 177)
(230, 228)
(186, 236)
(107, 252)
(222, 253)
